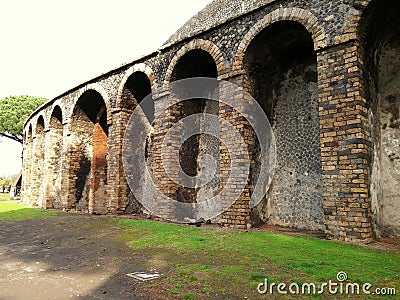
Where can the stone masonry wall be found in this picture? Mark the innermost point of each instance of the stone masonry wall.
(334, 112)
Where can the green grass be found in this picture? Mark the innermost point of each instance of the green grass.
(4, 196)
(10, 210)
(217, 261)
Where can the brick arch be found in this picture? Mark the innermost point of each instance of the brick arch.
(201, 44)
(36, 121)
(53, 107)
(136, 68)
(28, 129)
(97, 88)
(86, 165)
(361, 21)
(304, 17)
(354, 21)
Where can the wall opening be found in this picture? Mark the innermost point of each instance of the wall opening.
(137, 88)
(281, 74)
(88, 154)
(54, 160)
(197, 63)
(380, 38)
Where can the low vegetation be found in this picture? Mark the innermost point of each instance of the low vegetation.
(202, 263)
(10, 210)
(4, 197)
(215, 263)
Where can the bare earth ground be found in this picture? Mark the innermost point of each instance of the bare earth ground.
(70, 256)
(76, 256)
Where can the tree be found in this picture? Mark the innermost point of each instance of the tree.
(14, 111)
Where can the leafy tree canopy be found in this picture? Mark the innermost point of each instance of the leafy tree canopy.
(14, 111)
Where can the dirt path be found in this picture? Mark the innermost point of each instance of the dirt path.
(70, 256)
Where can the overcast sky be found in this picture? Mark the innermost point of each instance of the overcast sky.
(50, 46)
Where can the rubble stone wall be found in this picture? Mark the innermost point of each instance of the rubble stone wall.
(327, 78)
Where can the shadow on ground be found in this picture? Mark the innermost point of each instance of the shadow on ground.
(70, 256)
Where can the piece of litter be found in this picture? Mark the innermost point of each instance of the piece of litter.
(143, 276)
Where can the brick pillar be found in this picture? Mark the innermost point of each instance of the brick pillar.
(52, 167)
(37, 170)
(73, 153)
(345, 143)
(238, 214)
(65, 197)
(26, 171)
(167, 116)
(118, 189)
(98, 194)
(47, 174)
(34, 172)
(68, 197)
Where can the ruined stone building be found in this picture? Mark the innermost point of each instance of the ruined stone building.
(325, 72)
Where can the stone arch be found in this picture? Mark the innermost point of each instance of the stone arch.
(92, 87)
(280, 72)
(136, 88)
(87, 152)
(30, 132)
(205, 45)
(302, 16)
(138, 82)
(143, 68)
(56, 116)
(198, 58)
(379, 39)
(54, 145)
(39, 124)
(27, 131)
(61, 110)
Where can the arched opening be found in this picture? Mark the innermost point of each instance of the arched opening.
(38, 170)
(380, 39)
(197, 63)
(136, 88)
(54, 161)
(88, 151)
(281, 74)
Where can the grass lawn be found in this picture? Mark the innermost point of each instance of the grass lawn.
(204, 263)
(10, 210)
(4, 196)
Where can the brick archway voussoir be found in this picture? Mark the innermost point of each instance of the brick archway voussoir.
(95, 87)
(201, 44)
(302, 16)
(141, 67)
